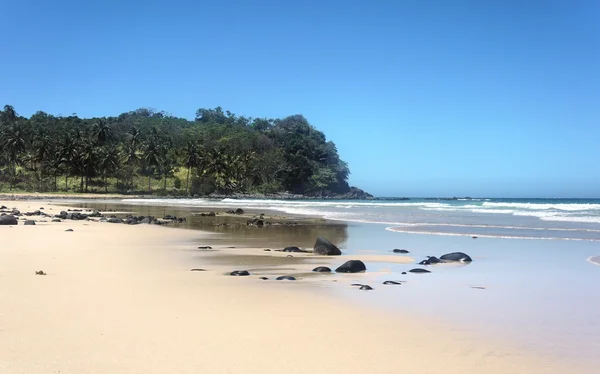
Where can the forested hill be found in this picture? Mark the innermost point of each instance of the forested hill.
(148, 151)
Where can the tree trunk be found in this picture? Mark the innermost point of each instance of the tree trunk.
(105, 185)
(187, 182)
(66, 182)
(87, 180)
(55, 182)
(81, 184)
(165, 184)
(149, 189)
(13, 170)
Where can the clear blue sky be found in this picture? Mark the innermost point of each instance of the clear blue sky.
(422, 98)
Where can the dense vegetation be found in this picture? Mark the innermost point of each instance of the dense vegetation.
(144, 151)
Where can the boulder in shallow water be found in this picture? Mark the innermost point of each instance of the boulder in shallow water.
(322, 269)
(400, 251)
(433, 260)
(239, 273)
(285, 277)
(325, 248)
(419, 271)
(292, 249)
(352, 266)
(456, 256)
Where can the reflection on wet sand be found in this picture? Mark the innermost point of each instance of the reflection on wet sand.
(286, 230)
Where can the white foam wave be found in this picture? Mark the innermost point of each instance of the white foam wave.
(399, 229)
(586, 219)
(536, 206)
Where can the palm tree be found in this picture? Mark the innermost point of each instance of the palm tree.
(151, 158)
(131, 153)
(13, 143)
(108, 163)
(66, 155)
(191, 160)
(102, 132)
(168, 162)
(41, 151)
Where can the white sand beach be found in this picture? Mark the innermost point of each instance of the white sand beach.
(122, 299)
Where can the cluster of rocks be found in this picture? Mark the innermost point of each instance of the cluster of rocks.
(209, 214)
(175, 219)
(238, 211)
(77, 215)
(448, 257)
(259, 222)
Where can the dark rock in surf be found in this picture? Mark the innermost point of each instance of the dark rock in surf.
(400, 251)
(292, 249)
(352, 266)
(419, 271)
(322, 269)
(324, 247)
(285, 277)
(239, 273)
(456, 256)
(366, 287)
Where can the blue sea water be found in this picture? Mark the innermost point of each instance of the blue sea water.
(576, 219)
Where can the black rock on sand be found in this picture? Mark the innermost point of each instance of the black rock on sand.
(352, 266)
(324, 247)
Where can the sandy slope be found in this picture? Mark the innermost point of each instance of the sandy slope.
(121, 299)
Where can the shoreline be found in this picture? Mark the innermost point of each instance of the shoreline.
(374, 329)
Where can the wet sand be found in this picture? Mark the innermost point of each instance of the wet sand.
(122, 299)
